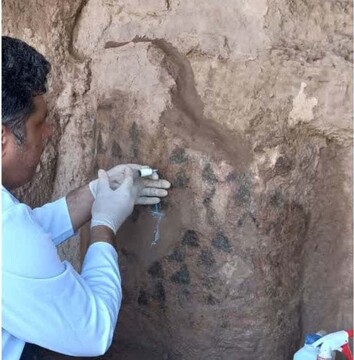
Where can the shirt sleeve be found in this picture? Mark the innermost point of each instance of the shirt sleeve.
(55, 219)
(46, 302)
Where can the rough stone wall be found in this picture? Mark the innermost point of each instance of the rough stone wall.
(246, 107)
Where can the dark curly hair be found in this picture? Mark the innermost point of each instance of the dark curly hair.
(24, 75)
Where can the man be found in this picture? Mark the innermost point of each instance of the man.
(45, 301)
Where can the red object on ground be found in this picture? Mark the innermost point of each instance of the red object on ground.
(345, 348)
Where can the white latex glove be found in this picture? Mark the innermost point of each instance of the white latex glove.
(150, 189)
(112, 207)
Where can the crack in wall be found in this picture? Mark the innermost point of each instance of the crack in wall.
(71, 48)
(186, 117)
(105, 28)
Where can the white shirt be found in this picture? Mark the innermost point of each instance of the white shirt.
(44, 300)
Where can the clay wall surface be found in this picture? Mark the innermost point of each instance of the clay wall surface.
(246, 107)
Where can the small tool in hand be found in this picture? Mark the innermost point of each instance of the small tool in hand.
(146, 172)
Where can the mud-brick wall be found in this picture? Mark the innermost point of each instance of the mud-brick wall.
(245, 106)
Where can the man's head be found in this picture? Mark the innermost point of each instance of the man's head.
(24, 75)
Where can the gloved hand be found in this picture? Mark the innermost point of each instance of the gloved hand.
(150, 189)
(112, 207)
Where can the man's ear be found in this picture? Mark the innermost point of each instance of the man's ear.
(4, 140)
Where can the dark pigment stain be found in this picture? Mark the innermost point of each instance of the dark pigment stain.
(248, 214)
(207, 257)
(277, 199)
(143, 298)
(208, 174)
(209, 282)
(211, 300)
(207, 203)
(243, 195)
(221, 242)
(181, 276)
(159, 294)
(164, 203)
(283, 165)
(190, 238)
(116, 149)
(231, 177)
(208, 197)
(155, 270)
(134, 135)
(178, 156)
(182, 180)
(177, 255)
(207, 200)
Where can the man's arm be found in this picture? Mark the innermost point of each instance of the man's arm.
(47, 302)
(66, 215)
(102, 233)
(63, 217)
(79, 203)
